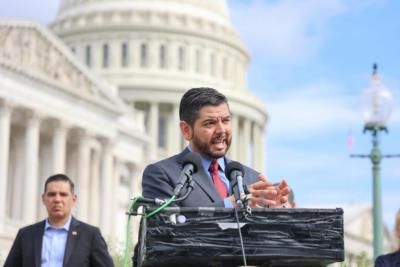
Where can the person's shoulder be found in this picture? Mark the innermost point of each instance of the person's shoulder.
(32, 227)
(248, 171)
(393, 259)
(83, 225)
(30, 230)
(167, 161)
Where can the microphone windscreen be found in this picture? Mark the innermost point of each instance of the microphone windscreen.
(192, 158)
(233, 166)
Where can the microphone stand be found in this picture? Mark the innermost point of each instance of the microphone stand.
(160, 202)
(190, 185)
(240, 235)
(246, 206)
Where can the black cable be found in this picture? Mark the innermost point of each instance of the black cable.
(188, 191)
(240, 237)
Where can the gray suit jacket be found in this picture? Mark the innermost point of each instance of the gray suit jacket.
(160, 179)
(85, 247)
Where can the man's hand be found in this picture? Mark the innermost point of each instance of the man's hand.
(265, 194)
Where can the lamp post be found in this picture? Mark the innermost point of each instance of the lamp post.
(377, 105)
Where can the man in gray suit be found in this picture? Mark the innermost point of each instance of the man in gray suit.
(60, 240)
(205, 122)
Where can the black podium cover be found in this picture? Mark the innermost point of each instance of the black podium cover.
(204, 237)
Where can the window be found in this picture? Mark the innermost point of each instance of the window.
(181, 58)
(143, 55)
(106, 61)
(124, 55)
(88, 56)
(163, 57)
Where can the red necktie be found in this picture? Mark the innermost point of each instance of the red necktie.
(219, 184)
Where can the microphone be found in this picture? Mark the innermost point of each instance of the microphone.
(191, 163)
(234, 172)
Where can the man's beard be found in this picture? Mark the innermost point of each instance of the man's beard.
(203, 147)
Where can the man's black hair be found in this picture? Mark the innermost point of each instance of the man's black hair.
(59, 177)
(196, 98)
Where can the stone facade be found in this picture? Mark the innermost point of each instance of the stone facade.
(55, 117)
(153, 51)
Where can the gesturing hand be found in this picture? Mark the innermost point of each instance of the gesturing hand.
(265, 194)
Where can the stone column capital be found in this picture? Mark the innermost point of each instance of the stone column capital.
(58, 124)
(6, 105)
(32, 116)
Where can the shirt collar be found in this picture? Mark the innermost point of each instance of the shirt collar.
(206, 162)
(65, 226)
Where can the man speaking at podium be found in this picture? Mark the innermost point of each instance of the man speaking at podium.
(205, 122)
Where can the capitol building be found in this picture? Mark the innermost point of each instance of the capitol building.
(96, 94)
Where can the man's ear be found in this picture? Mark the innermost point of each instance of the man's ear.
(74, 198)
(186, 130)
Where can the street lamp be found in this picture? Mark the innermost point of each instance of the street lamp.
(376, 104)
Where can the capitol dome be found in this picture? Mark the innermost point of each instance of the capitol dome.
(200, 9)
(154, 50)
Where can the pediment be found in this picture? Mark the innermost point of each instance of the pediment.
(31, 49)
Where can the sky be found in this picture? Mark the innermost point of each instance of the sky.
(310, 61)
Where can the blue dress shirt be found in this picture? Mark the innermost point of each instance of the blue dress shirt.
(53, 246)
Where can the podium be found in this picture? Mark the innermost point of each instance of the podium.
(191, 237)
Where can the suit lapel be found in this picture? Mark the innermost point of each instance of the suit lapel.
(202, 179)
(37, 244)
(73, 237)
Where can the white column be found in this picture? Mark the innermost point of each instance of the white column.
(255, 144)
(31, 168)
(17, 174)
(246, 142)
(153, 129)
(174, 135)
(234, 149)
(5, 125)
(83, 173)
(153, 47)
(114, 54)
(95, 194)
(172, 56)
(135, 188)
(106, 185)
(260, 143)
(97, 55)
(135, 180)
(59, 147)
(116, 178)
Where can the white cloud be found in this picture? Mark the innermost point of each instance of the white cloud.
(284, 30)
(311, 110)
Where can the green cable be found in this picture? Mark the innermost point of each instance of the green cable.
(128, 230)
(167, 203)
(128, 240)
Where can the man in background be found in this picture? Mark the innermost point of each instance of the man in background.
(60, 240)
